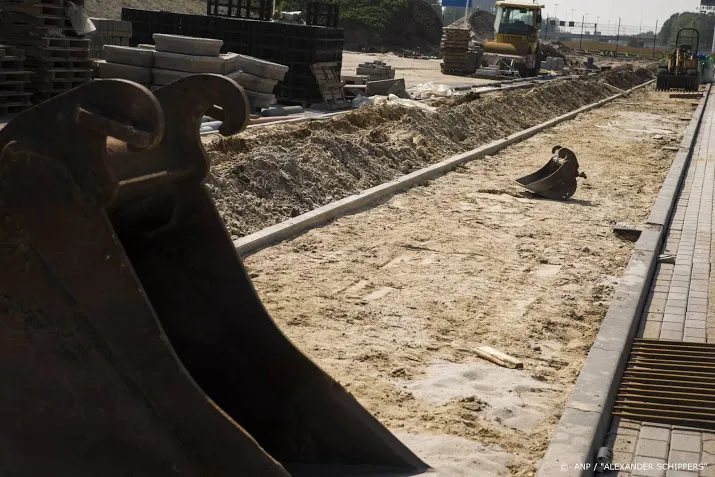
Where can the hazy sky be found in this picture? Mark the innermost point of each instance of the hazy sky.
(629, 10)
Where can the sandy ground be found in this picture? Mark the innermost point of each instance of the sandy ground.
(267, 175)
(391, 301)
(413, 70)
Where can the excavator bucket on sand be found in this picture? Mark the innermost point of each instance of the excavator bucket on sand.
(557, 179)
(132, 341)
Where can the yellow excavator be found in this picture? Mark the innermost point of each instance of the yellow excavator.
(517, 27)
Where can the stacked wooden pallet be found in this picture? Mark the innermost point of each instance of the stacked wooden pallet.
(13, 78)
(331, 87)
(455, 48)
(57, 58)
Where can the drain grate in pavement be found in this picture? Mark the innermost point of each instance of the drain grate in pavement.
(669, 382)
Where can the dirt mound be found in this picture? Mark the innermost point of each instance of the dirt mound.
(415, 27)
(481, 23)
(558, 45)
(113, 8)
(625, 76)
(260, 178)
(549, 50)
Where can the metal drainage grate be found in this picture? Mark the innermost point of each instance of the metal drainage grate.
(669, 382)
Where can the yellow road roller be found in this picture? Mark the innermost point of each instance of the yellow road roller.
(517, 28)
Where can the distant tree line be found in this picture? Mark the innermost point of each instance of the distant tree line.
(703, 22)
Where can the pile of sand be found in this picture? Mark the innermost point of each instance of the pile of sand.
(625, 76)
(265, 176)
(481, 23)
(113, 8)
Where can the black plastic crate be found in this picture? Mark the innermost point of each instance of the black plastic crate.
(235, 33)
(249, 9)
(323, 14)
(201, 26)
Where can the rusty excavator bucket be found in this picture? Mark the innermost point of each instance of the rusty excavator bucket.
(132, 340)
(557, 179)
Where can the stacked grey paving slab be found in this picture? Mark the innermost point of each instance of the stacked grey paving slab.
(175, 56)
(109, 32)
(376, 71)
(125, 62)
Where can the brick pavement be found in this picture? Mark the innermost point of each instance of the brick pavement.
(678, 308)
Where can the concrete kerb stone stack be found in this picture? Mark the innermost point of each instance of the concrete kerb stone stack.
(126, 62)
(553, 63)
(175, 56)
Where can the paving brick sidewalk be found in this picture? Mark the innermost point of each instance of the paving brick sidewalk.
(678, 308)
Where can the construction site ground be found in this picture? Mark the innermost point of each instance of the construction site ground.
(418, 71)
(392, 301)
(414, 71)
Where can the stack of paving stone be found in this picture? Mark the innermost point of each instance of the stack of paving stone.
(175, 56)
(57, 58)
(376, 71)
(554, 64)
(455, 50)
(109, 32)
(13, 78)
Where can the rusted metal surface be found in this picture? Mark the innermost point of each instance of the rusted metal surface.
(669, 382)
(557, 179)
(133, 342)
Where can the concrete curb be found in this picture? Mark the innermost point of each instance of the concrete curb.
(292, 227)
(586, 418)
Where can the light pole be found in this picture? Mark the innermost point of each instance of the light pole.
(595, 27)
(556, 13)
(618, 35)
(573, 10)
(583, 21)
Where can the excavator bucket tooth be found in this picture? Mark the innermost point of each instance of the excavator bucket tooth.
(557, 179)
(133, 341)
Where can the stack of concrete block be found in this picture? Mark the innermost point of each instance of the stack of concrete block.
(126, 62)
(258, 78)
(109, 32)
(178, 56)
(376, 71)
(175, 56)
(554, 64)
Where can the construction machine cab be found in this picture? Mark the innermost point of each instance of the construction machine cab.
(515, 19)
